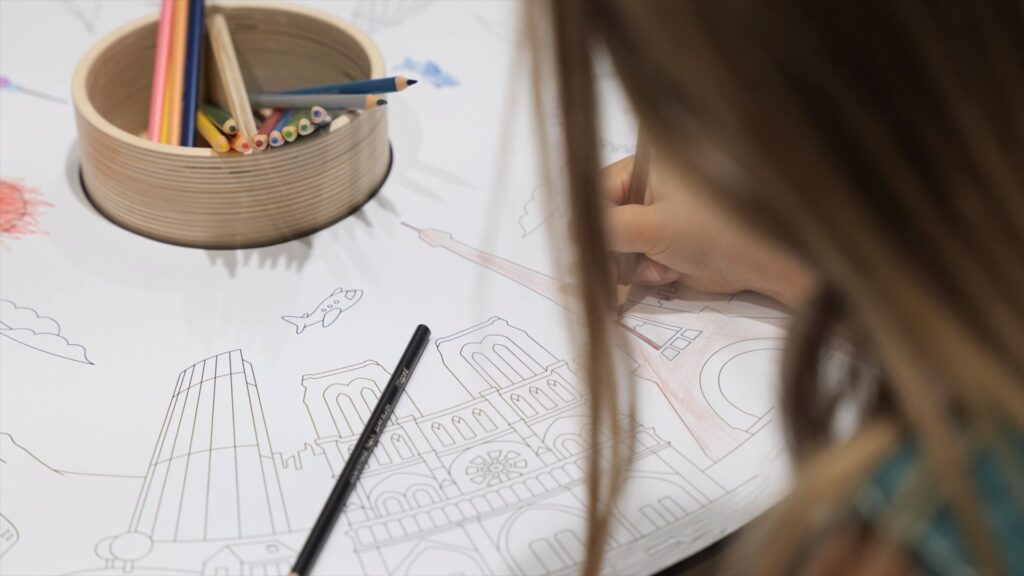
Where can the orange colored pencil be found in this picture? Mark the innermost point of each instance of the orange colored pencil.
(171, 127)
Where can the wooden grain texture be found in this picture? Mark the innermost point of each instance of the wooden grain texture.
(195, 197)
(226, 83)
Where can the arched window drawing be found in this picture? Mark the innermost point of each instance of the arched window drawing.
(422, 496)
(363, 401)
(484, 420)
(391, 504)
(513, 361)
(569, 444)
(542, 398)
(546, 555)
(489, 370)
(571, 544)
(455, 561)
(401, 446)
(653, 515)
(523, 406)
(671, 508)
(543, 531)
(380, 456)
(369, 398)
(463, 427)
(442, 434)
(561, 391)
(500, 361)
(343, 412)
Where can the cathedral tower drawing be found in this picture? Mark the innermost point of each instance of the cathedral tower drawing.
(212, 474)
(468, 483)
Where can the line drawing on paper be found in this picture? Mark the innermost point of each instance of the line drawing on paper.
(8, 85)
(49, 506)
(466, 485)
(212, 474)
(28, 327)
(491, 484)
(661, 344)
(539, 209)
(327, 311)
(85, 12)
(8, 535)
(375, 16)
(270, 557)
(20, 209)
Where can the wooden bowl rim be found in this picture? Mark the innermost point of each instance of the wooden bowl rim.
(84, 105)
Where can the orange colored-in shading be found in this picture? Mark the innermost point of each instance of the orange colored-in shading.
(20, 207)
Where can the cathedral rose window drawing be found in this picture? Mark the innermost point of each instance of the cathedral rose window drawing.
(496, 467)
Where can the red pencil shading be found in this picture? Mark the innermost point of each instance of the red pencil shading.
(20, 208)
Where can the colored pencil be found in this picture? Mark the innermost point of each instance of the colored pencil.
(356, 462)
(292, 127)
(192, 63)
(288, 132)
(260, 142)
(636, 193)
(262, 139)
(276, 138)
(221, 119)
(160, 61)
(176, 72)
(227, 87)
(208, 130)
(329, 101)
(241, 144)
(372, 86)
(304, 123)
(318, 115)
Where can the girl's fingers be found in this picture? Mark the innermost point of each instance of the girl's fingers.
(631, 228)
(651, 273)
(615, 180)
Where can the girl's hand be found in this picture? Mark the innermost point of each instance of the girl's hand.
(684, 237)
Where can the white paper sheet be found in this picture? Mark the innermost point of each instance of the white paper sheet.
(166, 410)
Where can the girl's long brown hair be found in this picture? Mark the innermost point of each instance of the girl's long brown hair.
(880, 142)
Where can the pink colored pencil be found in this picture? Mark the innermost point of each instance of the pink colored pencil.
(262, 139)
(163, 53)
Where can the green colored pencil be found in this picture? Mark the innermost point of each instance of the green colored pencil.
(221, 119)
(304, 122)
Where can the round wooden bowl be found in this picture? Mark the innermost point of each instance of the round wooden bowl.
(196, 197)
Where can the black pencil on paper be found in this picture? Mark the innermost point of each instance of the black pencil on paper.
(361, 453)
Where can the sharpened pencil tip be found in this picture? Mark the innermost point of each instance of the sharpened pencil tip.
(410, 81)
(381, 102)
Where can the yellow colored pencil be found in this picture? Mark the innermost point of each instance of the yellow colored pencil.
(176, 73)
(211, 134)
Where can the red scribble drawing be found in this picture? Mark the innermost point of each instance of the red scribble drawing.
(20, 208)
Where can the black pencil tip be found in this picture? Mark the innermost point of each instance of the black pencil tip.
(410, 81)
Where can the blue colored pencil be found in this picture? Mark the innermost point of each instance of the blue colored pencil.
(286, 118)
(373, 86)
(194, 46)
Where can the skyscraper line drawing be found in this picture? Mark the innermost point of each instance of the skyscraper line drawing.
(213, 461)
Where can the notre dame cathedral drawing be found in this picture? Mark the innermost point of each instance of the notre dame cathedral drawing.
(462, 484)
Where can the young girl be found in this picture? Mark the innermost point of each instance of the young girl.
(863, 163)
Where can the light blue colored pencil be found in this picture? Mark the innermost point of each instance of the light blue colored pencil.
(307, 101)
(373, 86)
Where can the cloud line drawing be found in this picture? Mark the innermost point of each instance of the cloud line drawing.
(26, 326)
